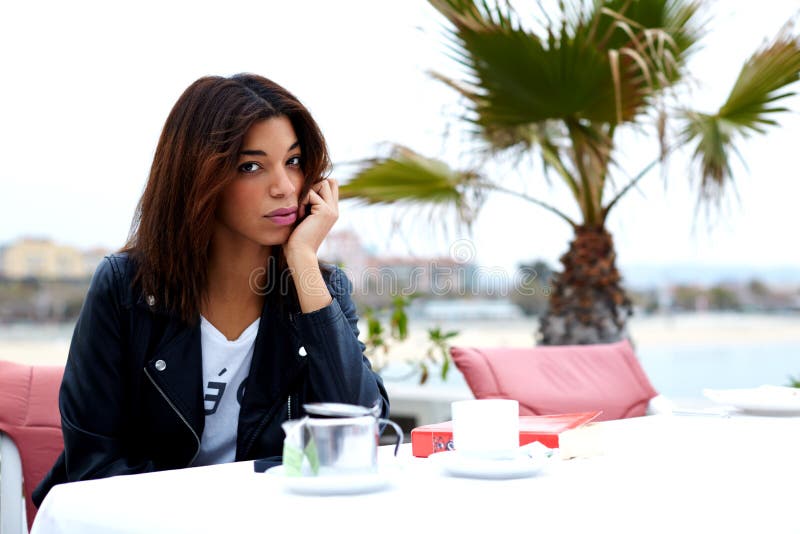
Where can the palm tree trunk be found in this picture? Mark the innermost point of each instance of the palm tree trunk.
(587, 304)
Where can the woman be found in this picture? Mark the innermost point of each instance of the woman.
(216, 322)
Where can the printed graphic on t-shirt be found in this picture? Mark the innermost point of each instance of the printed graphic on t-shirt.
(214, 398)
(215, 391)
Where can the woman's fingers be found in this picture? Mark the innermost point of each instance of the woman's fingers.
(325, 192)
(328, 190)
(316, 198)
(323, 189)
(334, 189)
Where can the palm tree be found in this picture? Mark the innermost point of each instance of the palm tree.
(562, 88)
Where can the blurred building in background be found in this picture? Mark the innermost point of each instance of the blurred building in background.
(44, 259)
(386, 275)
(344, 248)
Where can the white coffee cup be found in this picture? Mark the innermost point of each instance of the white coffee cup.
(486, 428)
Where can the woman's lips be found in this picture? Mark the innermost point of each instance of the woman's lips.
(283, 220)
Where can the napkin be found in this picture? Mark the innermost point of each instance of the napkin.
(262, 464)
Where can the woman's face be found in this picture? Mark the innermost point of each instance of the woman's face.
(268, 178)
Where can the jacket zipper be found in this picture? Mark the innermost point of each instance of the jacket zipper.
(180, 415)
(274, 411)
(289, 405)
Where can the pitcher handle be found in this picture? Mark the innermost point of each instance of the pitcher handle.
(397, 430)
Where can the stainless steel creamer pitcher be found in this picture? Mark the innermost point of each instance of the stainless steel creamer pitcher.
(335, 439)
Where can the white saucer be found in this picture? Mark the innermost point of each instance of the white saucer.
(332, 485)
(457, 465)
(762, 400)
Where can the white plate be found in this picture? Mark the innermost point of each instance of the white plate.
(763, 400)
(469, 466)
(332, 485)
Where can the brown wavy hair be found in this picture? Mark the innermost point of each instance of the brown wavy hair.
(195, 159)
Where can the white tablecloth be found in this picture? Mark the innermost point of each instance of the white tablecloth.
(658, 474)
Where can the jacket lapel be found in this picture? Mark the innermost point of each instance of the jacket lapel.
(176, 366)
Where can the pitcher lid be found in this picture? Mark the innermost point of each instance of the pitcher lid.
(336, 409)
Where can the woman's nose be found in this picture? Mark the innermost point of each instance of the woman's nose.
(281, 185)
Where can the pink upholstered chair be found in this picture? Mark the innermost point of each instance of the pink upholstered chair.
(559, 379)
(30, 435)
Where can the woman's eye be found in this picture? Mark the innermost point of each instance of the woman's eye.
(249, 167)
(294, 161)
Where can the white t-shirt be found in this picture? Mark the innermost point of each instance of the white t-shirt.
(226, 365)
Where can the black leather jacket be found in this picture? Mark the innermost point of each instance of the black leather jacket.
(132, 396)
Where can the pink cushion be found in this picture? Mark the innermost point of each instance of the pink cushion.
(559, 379)
(29, 414)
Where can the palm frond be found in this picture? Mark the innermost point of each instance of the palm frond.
(761, 82)
(408, 178)
(750, 108)
(714, 137)
(677, 21)
(515, 76)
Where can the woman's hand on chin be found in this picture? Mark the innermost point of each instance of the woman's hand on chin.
(309, 234)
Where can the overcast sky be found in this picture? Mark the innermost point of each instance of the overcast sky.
(86, 88)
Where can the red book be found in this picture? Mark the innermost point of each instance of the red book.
(428, 439)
